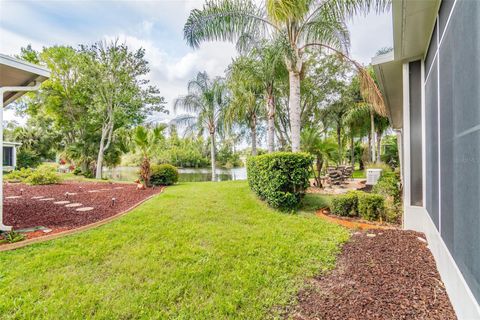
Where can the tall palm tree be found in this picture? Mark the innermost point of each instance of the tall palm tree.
(145, 140)
(205, 103)
(244, 108)
(262, 67)
(298, 24)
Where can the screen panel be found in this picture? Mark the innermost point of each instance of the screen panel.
(416, 166)
(431, 145)
(459, 67)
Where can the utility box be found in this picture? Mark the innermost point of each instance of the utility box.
(372, 176)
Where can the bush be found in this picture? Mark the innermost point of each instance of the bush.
(371, 206)
(19, 175)
(44, 174)
(27, 158)
(345, 204)
(163, 174)
(280, 178)
(389, 187)
(358, 203)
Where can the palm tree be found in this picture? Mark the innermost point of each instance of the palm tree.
(146, 140)
(244, 107)
(297, 24)
(205, 102)
(322, 149)
(262, 67)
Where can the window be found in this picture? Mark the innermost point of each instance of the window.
(8, 156)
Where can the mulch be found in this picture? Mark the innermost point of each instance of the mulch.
(25, 212)
(380, 274)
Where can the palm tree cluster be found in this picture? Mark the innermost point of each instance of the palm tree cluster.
(295, 25)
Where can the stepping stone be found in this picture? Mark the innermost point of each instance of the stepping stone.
(73, 205)
(85, 209)
(46, 199)
(61, 202)
(13, 197)
(38, 197)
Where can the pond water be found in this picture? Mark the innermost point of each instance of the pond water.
(185, 174)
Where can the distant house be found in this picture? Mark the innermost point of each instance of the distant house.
(431, 84)
(10, 155)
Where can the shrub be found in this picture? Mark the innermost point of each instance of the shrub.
(345, 204)
(27, 158)
(371, 206)
(280, 178)
(44, 174)
(19, 175)
(389, 187)
(163, 174)
(12, 237)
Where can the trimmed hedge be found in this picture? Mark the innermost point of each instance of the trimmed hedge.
(368, 206)
(371, 206)
(163, 175)
(280, 178)
(389, 187)
(345, 204)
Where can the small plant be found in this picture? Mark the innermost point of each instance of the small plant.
(19, 175)
(12, 237)
(44, 174)
(163, 174)
(371, 206)
(345, 204)
(280, 178)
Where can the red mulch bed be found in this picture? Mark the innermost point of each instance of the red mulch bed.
(389, 276)
(26, 212)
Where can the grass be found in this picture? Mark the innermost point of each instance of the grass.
(315, 201)
(197, 251)
(359, 174)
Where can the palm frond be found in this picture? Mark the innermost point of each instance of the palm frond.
(224, 20)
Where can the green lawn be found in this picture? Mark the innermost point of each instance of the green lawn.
(198, 251)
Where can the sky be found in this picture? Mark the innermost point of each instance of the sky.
(155, 25)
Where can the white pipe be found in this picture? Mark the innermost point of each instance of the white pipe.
(2, 91)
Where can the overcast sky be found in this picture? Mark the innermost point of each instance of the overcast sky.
(154, 25)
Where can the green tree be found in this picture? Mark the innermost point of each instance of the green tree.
(122, 95)
(297, 24)
(205, 104)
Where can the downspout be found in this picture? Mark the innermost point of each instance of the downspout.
(3, 90)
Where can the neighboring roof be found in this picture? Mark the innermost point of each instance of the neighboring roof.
(413, 23)
(11, 144)
(15, 72)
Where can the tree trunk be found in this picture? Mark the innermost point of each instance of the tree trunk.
(271, 123)
(253, 130)
(294, 109)
(212, 153)
(319, 171)
(379, 146)
(339, 142)
(352, 151)
(372, 136)
(99, 169)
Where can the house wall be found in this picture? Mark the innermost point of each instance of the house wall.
(450, 211)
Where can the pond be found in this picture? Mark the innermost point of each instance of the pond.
(185, 174)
